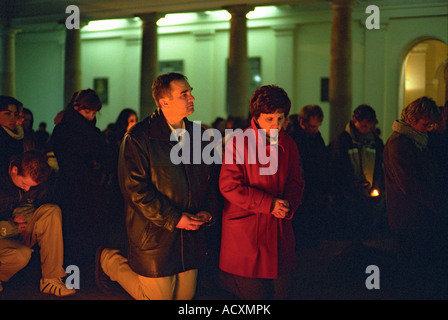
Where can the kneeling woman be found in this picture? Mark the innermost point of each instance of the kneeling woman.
(262, 187)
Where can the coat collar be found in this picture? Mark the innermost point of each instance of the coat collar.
(281, 135)
(159, 128)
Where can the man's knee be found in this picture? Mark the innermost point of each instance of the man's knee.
(17, 256)
(23, 256)
(50, 209)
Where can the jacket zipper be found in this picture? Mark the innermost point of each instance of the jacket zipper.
(182, 248)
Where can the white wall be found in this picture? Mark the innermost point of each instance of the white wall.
(39, 74)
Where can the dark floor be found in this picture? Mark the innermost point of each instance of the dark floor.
(334, 270)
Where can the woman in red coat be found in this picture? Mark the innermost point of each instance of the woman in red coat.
(262, 187)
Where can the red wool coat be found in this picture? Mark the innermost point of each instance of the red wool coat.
(254, 243)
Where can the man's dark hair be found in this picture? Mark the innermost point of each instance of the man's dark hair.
(311, 111)
(161, 87)
(364, 112)
(422, 108)
(268, 99)
(33, 163)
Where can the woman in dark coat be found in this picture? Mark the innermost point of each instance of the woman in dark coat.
(85, 163)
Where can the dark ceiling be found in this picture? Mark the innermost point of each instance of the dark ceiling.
(17, 12)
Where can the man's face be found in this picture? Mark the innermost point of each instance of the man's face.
(423, 125)
(311, 126)
(363, 126)
(180, 103)
(23, 182)
(8, 118)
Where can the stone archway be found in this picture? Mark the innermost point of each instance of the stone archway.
(425, 72)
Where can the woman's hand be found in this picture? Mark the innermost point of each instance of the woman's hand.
(280, 208)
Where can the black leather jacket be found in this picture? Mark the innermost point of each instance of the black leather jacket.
(156, 192)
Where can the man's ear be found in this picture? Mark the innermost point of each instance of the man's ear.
(14, 170)
(163, 102)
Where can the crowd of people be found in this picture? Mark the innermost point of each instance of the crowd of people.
(114, 204)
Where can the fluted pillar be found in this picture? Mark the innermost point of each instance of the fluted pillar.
(238, 64)
(72, 78)
(149, 61)
(340, 87)
(8, 76)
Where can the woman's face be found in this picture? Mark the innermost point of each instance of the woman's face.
(8, 118)
(268, 121)
(132, 120)
(86, 113)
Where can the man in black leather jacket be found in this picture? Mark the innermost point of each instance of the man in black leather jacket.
(167, 204)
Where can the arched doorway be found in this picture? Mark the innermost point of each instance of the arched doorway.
(425, 72)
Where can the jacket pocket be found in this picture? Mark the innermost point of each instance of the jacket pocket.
(154, 237)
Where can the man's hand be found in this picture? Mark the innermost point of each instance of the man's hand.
(204, 216)
(21, 222)
(189, 222)
(280, 208)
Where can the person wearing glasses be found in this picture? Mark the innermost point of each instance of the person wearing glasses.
(416, 207)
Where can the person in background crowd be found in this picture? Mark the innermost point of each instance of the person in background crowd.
(85, 165)
(28, 218)
(114, 136)
(29, 139)
(11, 134)
(257, 245)
(356, 169)
(308, 221)
(42, 136)
(125, 121)
(416, 203)
(167, 204)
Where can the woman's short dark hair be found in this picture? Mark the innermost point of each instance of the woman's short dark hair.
(161, 87)
(5, 101)
(33, 163)
(268, 99)
(86, 99)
